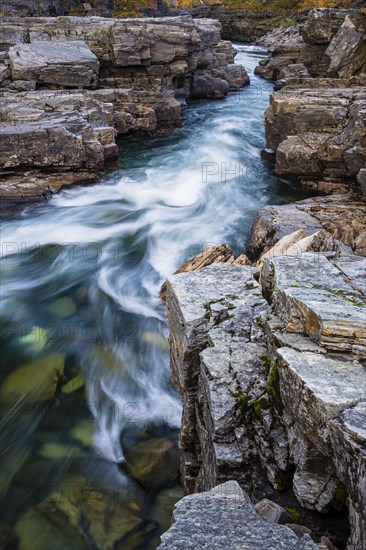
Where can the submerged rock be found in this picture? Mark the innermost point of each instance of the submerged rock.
(153, 463)
(272, 511)
(34, 382)
(78, 515)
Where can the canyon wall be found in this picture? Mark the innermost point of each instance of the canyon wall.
(316, 124)
(269, 357)
(69, 85)
(272, 378)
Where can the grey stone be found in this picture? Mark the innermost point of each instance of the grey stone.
(343, 217)
(144, 60)
(216, 345)
(299, 530)
(314, 388)
(223, 518)
(347, 50)
(69, 64)
(312, 296)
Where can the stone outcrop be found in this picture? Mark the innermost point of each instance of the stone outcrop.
(274, 394)
(341, 216)
(227, 515)
(69, 85)
(65, 64)
(316, 122)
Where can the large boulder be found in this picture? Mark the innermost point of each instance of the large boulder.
(347, 51)
(225, 518)
(67, 64)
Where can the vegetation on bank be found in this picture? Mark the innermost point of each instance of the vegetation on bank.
(135, 8)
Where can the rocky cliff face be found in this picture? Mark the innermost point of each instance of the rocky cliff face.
(316, 122)
(272, 378)
(69, 85)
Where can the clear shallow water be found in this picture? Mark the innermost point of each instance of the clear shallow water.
(85, 367)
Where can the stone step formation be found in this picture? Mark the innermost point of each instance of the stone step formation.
(276, 387)
(70, 85)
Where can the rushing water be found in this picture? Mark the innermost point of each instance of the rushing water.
(85, 375)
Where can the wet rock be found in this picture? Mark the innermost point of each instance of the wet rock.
(74, 384)
(8, 538)
(236, 76)
(274, 68)
(62, 307)
(83, 432)
(162, 509)
(78, 515)
(155, 339)
(222, 518)
(68, 64)
(207, 87)
(272, 511)
(33, 528)
(153, 463)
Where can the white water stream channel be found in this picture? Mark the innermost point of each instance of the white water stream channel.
(80, 286)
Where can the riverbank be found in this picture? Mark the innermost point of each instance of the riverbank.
(268, 358)
(96, 79)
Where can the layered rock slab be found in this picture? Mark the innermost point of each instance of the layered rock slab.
(136, 72)
(282, 409)
(348, 437)
(312, 296)
(341, 215)
(64, 63)
(316, 123)
(217, 343)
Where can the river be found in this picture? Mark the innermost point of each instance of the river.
(85, 365)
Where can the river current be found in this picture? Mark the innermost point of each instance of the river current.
(85, 378)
